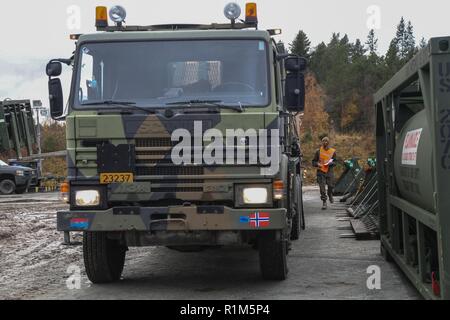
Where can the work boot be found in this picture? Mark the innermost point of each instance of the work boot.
(325, 206)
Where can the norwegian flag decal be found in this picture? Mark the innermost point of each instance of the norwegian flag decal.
(259, 220)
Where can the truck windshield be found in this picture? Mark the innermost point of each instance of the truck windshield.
(163, 73)
(2, 164)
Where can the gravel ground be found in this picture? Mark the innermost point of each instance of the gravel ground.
(31, 252)
(34, 264)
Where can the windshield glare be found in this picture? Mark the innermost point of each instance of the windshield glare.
(2, 164)
(157, 73)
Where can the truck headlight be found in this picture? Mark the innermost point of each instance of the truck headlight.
(255, 195)
(87, 198)
(20, 173)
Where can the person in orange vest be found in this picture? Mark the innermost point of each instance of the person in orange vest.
(325, 160)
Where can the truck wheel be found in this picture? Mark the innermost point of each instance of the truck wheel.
(272, 256)
(7, 187)
(103, 258)
(295, 232)
(385, 254)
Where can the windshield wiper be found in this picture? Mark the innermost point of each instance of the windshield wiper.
(189, 102)
(126, 104)
(207, 103)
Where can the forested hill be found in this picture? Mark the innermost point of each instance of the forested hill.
(350, 73)
(342, 78)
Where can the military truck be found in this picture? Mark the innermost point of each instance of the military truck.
(148, 110)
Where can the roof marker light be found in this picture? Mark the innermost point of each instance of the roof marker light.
(274, 32)
(75, 36)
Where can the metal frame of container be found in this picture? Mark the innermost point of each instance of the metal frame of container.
(430, 70)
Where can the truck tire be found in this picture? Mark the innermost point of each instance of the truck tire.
(103, 258)
(7, 187)
(272, 256)
(295, 232)
(385, 254)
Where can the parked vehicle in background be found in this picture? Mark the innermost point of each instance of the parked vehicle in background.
(14, 179)
(36, 176)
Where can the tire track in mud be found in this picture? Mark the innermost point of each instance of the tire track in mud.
(32, 256)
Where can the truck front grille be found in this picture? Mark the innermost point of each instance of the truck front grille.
(169, 171)
(157, 152)
(155, 142)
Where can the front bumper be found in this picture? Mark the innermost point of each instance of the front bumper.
(176, 218)
(23, 181)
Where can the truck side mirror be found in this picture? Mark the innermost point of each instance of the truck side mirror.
(54, 69)
(294, 63)
(56, 98)
(295, 83)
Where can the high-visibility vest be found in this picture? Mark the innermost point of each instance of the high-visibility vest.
(325, 157)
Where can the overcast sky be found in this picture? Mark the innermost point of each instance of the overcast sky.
(32, 32)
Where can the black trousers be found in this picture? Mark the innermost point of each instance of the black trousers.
(325, 180)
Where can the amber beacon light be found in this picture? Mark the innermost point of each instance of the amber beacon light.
(251, 13)
(101, 17)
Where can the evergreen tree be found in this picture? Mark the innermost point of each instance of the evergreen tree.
(423, 43)
(372, 42)
(357, 50)
(410, 42)
(392, 59)
(400, 39)
(351, 72)
(401, 49)
(405, 41)
(301, 45)
(317, 61)
(344, 41)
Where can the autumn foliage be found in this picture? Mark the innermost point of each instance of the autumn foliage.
(343, 77)
(315, 119)
(315, 123)
(53, 138)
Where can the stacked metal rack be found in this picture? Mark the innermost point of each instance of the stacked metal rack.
(17, 129)
(361, 197)
(347, 181)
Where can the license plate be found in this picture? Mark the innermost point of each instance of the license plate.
(108, 178)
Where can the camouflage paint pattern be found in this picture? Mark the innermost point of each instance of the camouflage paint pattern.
(187, 188)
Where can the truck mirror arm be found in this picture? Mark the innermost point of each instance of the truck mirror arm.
(65, 61)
